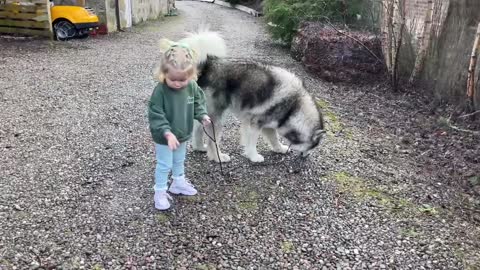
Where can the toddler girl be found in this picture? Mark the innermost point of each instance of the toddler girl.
(175, 102)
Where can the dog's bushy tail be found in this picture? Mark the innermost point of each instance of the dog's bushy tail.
(205, 43)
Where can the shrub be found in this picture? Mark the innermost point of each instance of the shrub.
(284, 16)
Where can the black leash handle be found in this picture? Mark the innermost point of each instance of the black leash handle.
(214, 139)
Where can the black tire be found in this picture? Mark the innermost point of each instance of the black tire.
(64, 30)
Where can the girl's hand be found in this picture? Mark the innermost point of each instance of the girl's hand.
(172, 141)
(206, 120)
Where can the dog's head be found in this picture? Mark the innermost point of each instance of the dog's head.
(304, 130)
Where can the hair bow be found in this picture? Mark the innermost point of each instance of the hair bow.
(167, 45)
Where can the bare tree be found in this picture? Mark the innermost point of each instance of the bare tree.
(471, 69)
(393, 28)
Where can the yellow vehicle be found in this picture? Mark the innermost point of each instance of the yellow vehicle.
(72, 21)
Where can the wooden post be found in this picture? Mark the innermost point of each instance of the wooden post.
(49, 16)
(471, 69)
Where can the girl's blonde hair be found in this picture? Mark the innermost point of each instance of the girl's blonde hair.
(176, 56)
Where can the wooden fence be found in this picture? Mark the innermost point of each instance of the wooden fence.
(25, 17)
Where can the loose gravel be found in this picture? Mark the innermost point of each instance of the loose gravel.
(77, 162)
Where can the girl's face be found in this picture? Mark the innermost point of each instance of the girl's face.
(176, 79)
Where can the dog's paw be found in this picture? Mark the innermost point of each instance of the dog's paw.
(280, 149)
(254, 157)
(199, 148)
(214, 157)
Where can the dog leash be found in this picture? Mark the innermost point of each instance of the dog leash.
(214, 140)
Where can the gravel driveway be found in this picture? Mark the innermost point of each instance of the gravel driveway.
(77, 161)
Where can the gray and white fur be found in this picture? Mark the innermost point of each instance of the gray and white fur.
(266, 99)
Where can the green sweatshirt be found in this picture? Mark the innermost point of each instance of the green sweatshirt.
(174, 110)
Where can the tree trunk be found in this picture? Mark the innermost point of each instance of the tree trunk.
(471, 69)
(424, 44)
(387, 24)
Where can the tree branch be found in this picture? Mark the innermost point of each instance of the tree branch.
(356, 40)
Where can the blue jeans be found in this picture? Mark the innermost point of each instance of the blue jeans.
(168, 160)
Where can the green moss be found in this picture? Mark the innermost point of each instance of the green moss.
(287, 246)
(333, 123)
(97, 267)
(248, 201)
(348, 135)
(362, 189)
(428, 210)
(162, 217)
(349, 184)
(322, 104)
(409, 232)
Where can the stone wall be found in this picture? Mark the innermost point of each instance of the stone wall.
(141, 10)
(111, 20)
(148, 10)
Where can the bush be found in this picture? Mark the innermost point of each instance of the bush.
(284, 16)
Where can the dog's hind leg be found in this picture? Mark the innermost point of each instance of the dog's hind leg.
(197, 140)
(272, 137)
(250, 138)
(211, 148)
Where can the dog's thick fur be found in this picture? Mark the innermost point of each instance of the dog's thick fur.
(264, 98)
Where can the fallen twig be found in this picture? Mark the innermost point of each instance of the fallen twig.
(446, 122)
(470, 114)
(424, 153)
(464, 130)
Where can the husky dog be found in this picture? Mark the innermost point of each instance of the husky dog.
(266, 99)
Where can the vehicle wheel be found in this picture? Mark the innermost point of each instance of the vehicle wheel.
(64, 30)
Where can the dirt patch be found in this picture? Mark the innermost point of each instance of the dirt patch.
(443, 143)
(334, 56)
